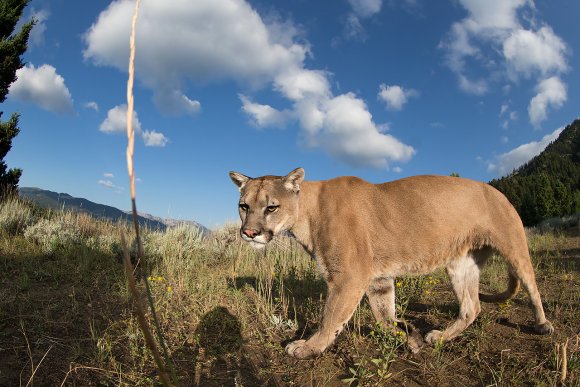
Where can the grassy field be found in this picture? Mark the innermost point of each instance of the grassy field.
(227, 311)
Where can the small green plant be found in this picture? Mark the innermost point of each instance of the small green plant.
(359, 374)
(504, 309)
(387, 340)
(283, 324)
(410, 289)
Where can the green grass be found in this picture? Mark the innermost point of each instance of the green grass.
(226, 312)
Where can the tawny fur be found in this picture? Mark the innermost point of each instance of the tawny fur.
(364, 235)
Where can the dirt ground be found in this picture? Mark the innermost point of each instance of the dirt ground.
(60, 326)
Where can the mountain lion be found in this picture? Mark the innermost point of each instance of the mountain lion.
(364, 235)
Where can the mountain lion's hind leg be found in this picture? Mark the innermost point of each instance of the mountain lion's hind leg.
(464, 275)
(525, 272)
(381, 295)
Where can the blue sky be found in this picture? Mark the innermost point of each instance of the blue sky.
(380, 89)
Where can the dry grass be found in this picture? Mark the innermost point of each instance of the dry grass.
(226, 312)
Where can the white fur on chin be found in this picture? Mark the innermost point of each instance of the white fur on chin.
(257, 245)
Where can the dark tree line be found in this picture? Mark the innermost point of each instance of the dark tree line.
(549, 185)
(12, 46)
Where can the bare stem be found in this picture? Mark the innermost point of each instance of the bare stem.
(128, 266)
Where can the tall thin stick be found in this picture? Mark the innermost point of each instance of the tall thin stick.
(140, 312)
(165, 379)
(564, 368)
(130, 103)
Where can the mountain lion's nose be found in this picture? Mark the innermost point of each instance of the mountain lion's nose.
(250, 232)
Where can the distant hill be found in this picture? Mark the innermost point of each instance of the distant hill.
(58, 201)
(548, 185)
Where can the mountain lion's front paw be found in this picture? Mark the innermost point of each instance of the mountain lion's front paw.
(301, 350)
(545, 329)
(415, 341)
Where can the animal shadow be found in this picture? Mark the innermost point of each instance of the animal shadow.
(220, 356)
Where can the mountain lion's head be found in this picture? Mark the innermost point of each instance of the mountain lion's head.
(268, 205)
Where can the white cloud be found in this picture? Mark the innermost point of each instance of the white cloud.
(507, 116)
(507, 162)
(42, 86)
(488, 22)
(350, 134)
(264, 115)
(342, 125)
(153, 138)
(504, 108)
(173, 102)
(494, 14)
(311, 116)
(106, 183)
(299, 83)
(116, 122)
(366, 8)
(353, 29)
(180, 42)
(36, 37)
(109, 184)
(528, 52)
(361, 9)
(478, 87)
(397, 169)
(92, 105)
(458, 46)
(396, 96)
(108, 175)
(551, 92)
(499, 39)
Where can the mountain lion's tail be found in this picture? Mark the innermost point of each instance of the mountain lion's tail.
(513, 287)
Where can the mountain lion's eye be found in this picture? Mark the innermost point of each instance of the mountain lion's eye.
(244, 207)
(272, 208)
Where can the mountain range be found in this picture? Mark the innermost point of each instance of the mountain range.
(59, 201)
(545, 187)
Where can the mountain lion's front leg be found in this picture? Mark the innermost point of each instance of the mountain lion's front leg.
(344, 294)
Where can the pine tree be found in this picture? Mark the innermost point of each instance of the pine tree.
(564, 199)
(546, 202)
(12, 46)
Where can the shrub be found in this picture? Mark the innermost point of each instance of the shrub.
(108, 244)
(15, 216)
(53, 235)
(178, 242)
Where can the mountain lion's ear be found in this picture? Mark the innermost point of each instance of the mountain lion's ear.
(239, 179)
(293, 180)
